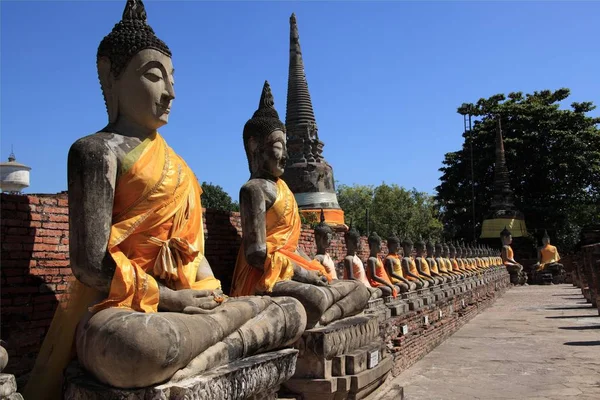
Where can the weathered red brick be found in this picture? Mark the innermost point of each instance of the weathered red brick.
(55, 225)
(44, 271)
(33, 200)
(63, 202)
(48, 201)
(49, 232)
(51, 240)
(58, 218)
(45, 247)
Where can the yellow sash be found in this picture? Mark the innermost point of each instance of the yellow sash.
(283, 232)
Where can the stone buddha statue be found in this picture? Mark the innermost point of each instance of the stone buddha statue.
(517, 276)
(457, 265)
(433, 266)
(354, 269)
(442, 265)
(449, 265)
(548, 260)
(393, 266)
(145, 307)
(270, 261)
(409, 266)
(422, 264)
(323, 236)
(376, 273)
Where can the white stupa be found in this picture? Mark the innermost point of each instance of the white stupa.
(14, 176)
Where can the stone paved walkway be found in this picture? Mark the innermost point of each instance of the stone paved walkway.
(535, 342)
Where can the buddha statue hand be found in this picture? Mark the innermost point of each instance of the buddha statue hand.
(189, 300)
(310, 277)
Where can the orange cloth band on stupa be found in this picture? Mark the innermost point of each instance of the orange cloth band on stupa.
(332, 216)
(283, 233)
(157, 229)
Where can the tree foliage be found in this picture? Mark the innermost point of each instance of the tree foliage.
(391, 208)
(213, 196)
(553, 156)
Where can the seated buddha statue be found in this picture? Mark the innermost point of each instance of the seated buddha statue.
(145, 307)
(449, 266)
(323, 236)
(409, 266)
(433, 266)
(517, 276)
(393, 266)
(442, 265)
(422, 264)
(457, 264)
(376, 273)
(354, 268)
(548, 259)
(270, 261)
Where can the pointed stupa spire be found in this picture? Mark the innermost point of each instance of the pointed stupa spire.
(503, 195)
(299, 114)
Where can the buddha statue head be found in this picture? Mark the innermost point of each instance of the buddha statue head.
(136, 74)
(352, 238)
(420, 247)
(452, 250)
(430, 246)
(407, 247)
(459, 252)
(506, 237)
(393, 243)
(374, 243)
(545, 238)
(323, 235)
(438, 249)
(265, 139)
(445, 250)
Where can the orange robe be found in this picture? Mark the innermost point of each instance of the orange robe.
(396, 267)
(549, 255)
(156, 232)
(509, 255)
(283, 232)
(381, 273)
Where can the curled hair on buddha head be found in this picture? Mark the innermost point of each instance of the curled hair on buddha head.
(323, 228)
(420, 244)
(452, 247)
(374, 239)
(128, 37)
(505, 232)
(264, 121)
(352, 234)
(393, 238)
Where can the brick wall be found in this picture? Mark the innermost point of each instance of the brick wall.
(35, 265)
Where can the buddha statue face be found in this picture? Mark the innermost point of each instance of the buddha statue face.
(393, 246)
(430, 248)
(506, 240)
(452, 251)
(269, 155)
(374, 243)
(142, 94)
(353, 243)
(323, 237)
(407, 248)
(420, 249)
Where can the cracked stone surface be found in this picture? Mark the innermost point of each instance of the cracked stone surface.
(535, 343)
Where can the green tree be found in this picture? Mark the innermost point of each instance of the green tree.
(213, 196)
(553, 157)
(391, 208)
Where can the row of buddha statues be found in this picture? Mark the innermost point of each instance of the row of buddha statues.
(145, 307)
(432, 264)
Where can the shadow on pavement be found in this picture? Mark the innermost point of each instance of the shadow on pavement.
(572, 316)
(579, 328)
(588, 343)
(588, 307)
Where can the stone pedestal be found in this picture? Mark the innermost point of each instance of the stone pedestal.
(253, 378)
(397, 306)
(413, 300)
(8, 388)
(426, 296)
(378, 308)
(344, 360)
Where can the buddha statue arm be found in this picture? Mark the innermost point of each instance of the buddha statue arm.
(349, 267)
(406, 270)
(372, 265)
(389, 267)
(92, 173)
(253, 206)
(506, 258)
(421, 271)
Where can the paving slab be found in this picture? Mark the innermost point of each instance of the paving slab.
(535, 342)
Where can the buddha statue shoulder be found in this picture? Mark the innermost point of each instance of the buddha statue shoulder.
(409, 266)
(145, 307)
(323, 235)
(354, 268)
(422, 264)
(376, 272)
(393, 266)
(270, 261)
(548, 257)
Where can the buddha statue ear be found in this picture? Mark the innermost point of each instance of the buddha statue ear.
(107, 83)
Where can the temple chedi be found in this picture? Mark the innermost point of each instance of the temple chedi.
(503, 213)
(307, 173)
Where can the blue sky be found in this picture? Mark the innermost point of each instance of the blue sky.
(385, 77)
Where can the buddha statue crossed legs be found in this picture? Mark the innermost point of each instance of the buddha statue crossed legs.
(548, 261)
(137, 244)
(393, 266)
(269, 260)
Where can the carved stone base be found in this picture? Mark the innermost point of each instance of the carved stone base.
(397, 306)
(413, 300)
(253, 378)
(8, 388)
(377, 308)
(340, 361)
